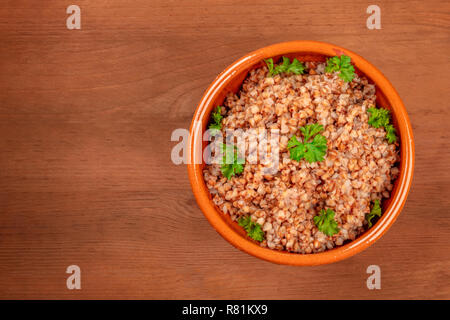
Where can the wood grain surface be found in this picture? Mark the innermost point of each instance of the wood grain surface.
(85, 123)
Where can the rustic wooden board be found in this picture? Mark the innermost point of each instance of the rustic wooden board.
(85, 123)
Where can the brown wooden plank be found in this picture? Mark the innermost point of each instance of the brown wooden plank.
(85, 123)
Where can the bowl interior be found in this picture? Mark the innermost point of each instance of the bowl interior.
(235, 86)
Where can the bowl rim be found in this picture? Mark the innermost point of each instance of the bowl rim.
(283, 257)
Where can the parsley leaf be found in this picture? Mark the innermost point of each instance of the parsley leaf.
(390, 133)
(296, 67)
(380, 117)
(310, 130)
(343, 65)
(325, 222)
(216, 121)
(376, 211)
(316, 149)
(312, 151)
(282, 67)
(269, 63)
(253, 229)
(297, 149)
(231, 163)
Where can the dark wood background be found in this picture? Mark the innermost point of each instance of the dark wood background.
(85, 123)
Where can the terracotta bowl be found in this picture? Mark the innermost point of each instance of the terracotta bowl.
(231, 80)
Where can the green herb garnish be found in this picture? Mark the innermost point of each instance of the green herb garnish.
(296, 67)
(390, 133)
(376, 211)
(312, 151)
(253, 229)
(216, 121)
(231, 163)
(380, 117)
(269, 63)
(343, 65)
(325, 222)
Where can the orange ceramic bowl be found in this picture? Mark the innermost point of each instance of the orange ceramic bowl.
(231, 80)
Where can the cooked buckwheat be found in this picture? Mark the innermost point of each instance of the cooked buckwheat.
(358, 168)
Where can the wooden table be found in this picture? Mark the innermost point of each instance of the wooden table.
(85, 123)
